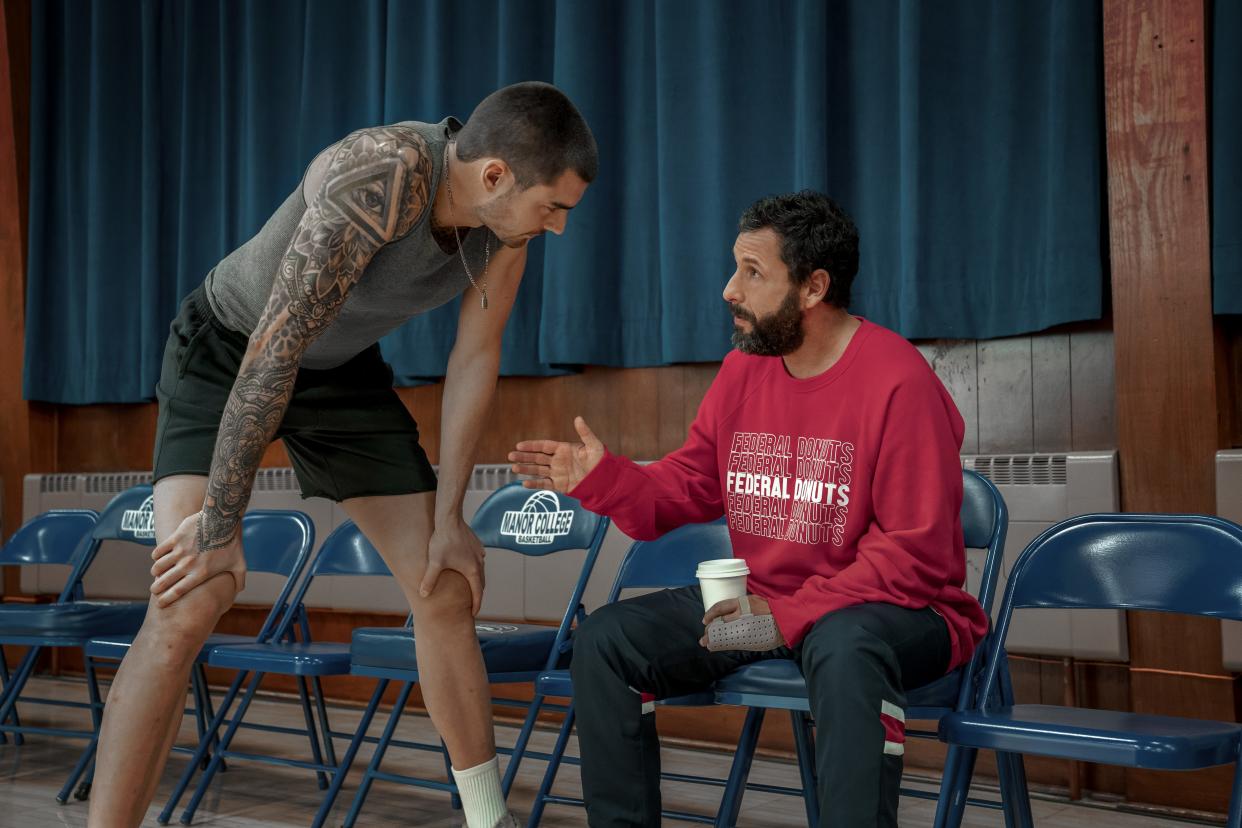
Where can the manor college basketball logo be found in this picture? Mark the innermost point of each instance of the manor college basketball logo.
(539, 520)
(140, 522)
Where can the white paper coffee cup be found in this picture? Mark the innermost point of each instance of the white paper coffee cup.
(722, 579)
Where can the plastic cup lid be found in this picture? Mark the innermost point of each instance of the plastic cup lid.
(722, 568)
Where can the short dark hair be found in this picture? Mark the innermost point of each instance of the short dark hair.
(815, 233)
(535, 129)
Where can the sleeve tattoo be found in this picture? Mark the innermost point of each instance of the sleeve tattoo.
(374, 190)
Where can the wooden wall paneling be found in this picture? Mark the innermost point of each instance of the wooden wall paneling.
(1006, 422)
(671, 413)
(106, 438)
(1092, 391)
(28, 429)
(698, 378)
(423, 403)
(637, 395)
(522, 404)
(1229, 329)
(1157, 157)
(956, 362)
(1156, 134)
(1051, 401)
(593, 396)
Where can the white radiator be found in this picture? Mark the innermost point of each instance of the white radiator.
(1041, 489)
(1229, 506)
(517, 587)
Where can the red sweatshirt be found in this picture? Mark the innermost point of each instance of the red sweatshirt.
(840, 489)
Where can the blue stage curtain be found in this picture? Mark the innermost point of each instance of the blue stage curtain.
(966, 139)
(1226, 78)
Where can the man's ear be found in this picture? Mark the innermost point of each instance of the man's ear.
(815, 288)
(494, 173)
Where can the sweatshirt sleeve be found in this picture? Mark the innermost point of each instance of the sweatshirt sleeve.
(684, 487)
(913, 547)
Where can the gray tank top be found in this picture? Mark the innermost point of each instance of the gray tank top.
(406, 277)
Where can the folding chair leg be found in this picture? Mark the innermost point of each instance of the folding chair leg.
(1014, 795)
(326, 728)
(338, 778)
(188, 814)
(805, 745)
(13, 691)
(364, 787)
(554, 765)
(199, 674)
(1234, 820)
(311, 732)
(200, 711)
(88, 754)
(949, 809)
(949, 785)
(17, 722)
(83, 792)
(201, 754)
(519, 747)
(1010, 770)
(731, 802)
(4, 686)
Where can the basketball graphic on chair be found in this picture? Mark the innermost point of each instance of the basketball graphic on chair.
(539, 521)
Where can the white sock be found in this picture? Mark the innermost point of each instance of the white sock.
(481, 798)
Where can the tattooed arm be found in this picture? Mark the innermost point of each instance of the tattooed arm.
(376, 186)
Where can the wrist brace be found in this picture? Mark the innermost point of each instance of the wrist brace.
(750, 632)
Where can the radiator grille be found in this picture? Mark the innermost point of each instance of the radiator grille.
(115, 482)
(276, 480)
(58, 483)
(1019, 469)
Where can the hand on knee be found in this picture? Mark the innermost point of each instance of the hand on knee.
(449, 603)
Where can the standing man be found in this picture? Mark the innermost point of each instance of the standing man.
(833, 449)
(281, 341)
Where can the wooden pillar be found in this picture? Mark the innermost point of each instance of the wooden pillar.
(1166, 359)
(27, 431)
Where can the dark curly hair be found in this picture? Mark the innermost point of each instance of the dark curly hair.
(536, 129)
(815, 233)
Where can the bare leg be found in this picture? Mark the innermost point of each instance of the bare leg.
(145, 703)
(450, 665)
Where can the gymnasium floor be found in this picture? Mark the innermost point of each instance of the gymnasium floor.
(253, 795)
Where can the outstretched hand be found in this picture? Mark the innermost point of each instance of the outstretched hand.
(558, 466)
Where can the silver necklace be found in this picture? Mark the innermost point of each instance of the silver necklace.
(481, 285)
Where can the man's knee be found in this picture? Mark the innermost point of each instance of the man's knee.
(837, 643)
(450, 602)
(181, 628)
(596, 637)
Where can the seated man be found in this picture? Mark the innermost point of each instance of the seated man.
(833, 449)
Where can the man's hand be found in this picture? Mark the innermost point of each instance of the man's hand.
(558, 466)
(455, 546)
(180, 565)
(730, 609)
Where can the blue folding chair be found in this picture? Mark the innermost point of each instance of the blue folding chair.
(288, 651)
(666, 563)
(73, 619)
(274, 542)
(1187, 564)
(57, 537)
(779, 684)
(515, 518)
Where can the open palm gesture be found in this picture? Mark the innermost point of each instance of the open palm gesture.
(558, 466)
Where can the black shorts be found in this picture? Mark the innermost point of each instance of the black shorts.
(346, 431)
